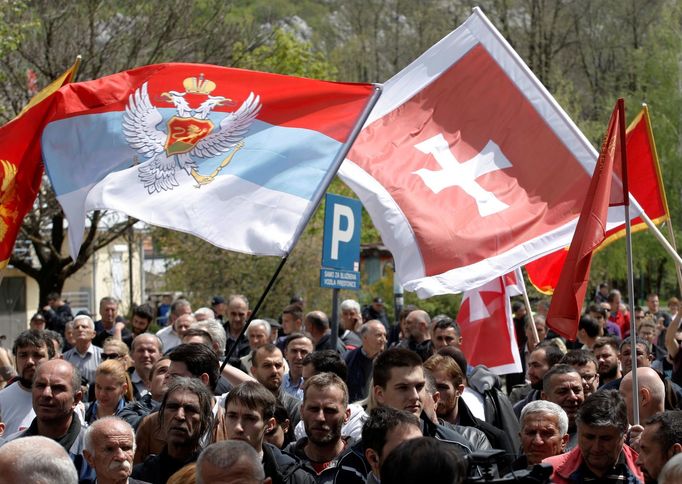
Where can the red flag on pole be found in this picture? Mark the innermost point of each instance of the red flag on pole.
(485, 319)
(605, 190)
(649, 191)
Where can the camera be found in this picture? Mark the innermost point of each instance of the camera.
(485, 465)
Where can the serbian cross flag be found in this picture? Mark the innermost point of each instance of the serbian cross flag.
(467, 165)
(649, 191)
(606, 189)
(485, 318)
(236, 157)
(21, 170)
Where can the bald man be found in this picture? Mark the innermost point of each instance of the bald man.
(37, 460)
(416, 328)
(651, 393)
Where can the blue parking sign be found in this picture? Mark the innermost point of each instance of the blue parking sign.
(341, 240)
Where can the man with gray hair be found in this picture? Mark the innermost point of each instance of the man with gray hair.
(544, 432)
(84, 355)
(258, 334)
(37, 460)
(601, 454)
(109, 446)
(351, 319)
(230, 461)
(418, 335)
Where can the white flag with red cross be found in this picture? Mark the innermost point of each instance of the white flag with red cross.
(487, 325)
(468, 166)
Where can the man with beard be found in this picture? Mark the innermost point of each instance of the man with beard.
(661, 439)
(249, 414)
(644, 358)
(606, 352)
(324, 411)
(185, 416)
(417, 325)
(109, 445)
(268, 370)
(564, 386)
(30, 349)
(539, 362)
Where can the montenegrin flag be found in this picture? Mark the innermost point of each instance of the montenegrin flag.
(468, 166)
(21, 170)
(235, 157)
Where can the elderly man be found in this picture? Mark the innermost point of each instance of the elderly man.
(30, 349)
(36, 460)
(171, 335)
(563, 385)
(107, 326)
(361, 360)
(544, 432)
(84, 355)
(230, 461)
(651, 392)
(185, 415)
(296, 347)
(109, 445)
(601, 454)
(661, 439)
(351, 319)
(146, 350)
(417, 325)
(55, 394)
(318, 327)
(258, 334)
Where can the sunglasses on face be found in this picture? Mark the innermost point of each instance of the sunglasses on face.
(111, 356)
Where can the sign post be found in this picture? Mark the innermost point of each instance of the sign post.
(340, 251)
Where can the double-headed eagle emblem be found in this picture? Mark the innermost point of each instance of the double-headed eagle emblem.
(189, 133)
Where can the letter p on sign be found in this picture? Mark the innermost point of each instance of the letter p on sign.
(341, 212)
(341, 242)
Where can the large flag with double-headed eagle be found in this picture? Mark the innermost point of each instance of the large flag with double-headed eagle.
(21, 170)
(235, 157)
(468, 166)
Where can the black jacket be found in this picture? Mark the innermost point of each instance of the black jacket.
(283, 468)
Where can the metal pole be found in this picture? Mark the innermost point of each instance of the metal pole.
(335, 317)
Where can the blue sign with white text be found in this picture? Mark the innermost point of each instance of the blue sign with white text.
(341, 241)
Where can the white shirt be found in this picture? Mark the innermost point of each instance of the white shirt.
(16, 408)
(169, 338)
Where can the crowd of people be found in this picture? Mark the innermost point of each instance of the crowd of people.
(109, 401)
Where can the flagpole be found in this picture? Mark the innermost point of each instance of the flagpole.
(340, 156)
(529, 310)
(628, 254)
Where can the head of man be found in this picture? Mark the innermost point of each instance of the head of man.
(292, 319)
(586, 364)
(56, 392)
(614, 299)
(384, 430)
(83, 331)
(602, 425)
(179, 307)
(544, 430)
(109, 447)
(324, 409)
(449, 383)
(296, 347)
(661, 439)
(598, 313)
(219, 306)
(158, 383)
(317, 325)
(185, 415)
(644, 355)
(237, 313)
(230, 461)
(38, 460)
(373, 334)
(37, 322)
(651, 393)
(646, 329)
(424, 459)
(267, 366)
(540, 327)
(607, 354)
(417, 325)
(182, 323)
(351, 314)
(540, 360)
(203, 314)
(258, 333)
(445, 332)
(195, 335)
(250, 413)
(198, 361)
(57, 341)
(143, 316)
(218, 335)
(30, 349)
(588, 330)
(326, 361)
(564, 386)
(399, 380)
(108, 310)
(146, 349)
(653, 303)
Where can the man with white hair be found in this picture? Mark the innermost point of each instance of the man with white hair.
(544, 432)
(171, 335)
(258, 333)
(351, 319)
(37, 460)
(651, 393)
(84, 355)
(109, 447)
(202, 314)
(230, 461)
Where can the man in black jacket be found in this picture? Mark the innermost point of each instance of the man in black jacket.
(249, 414)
